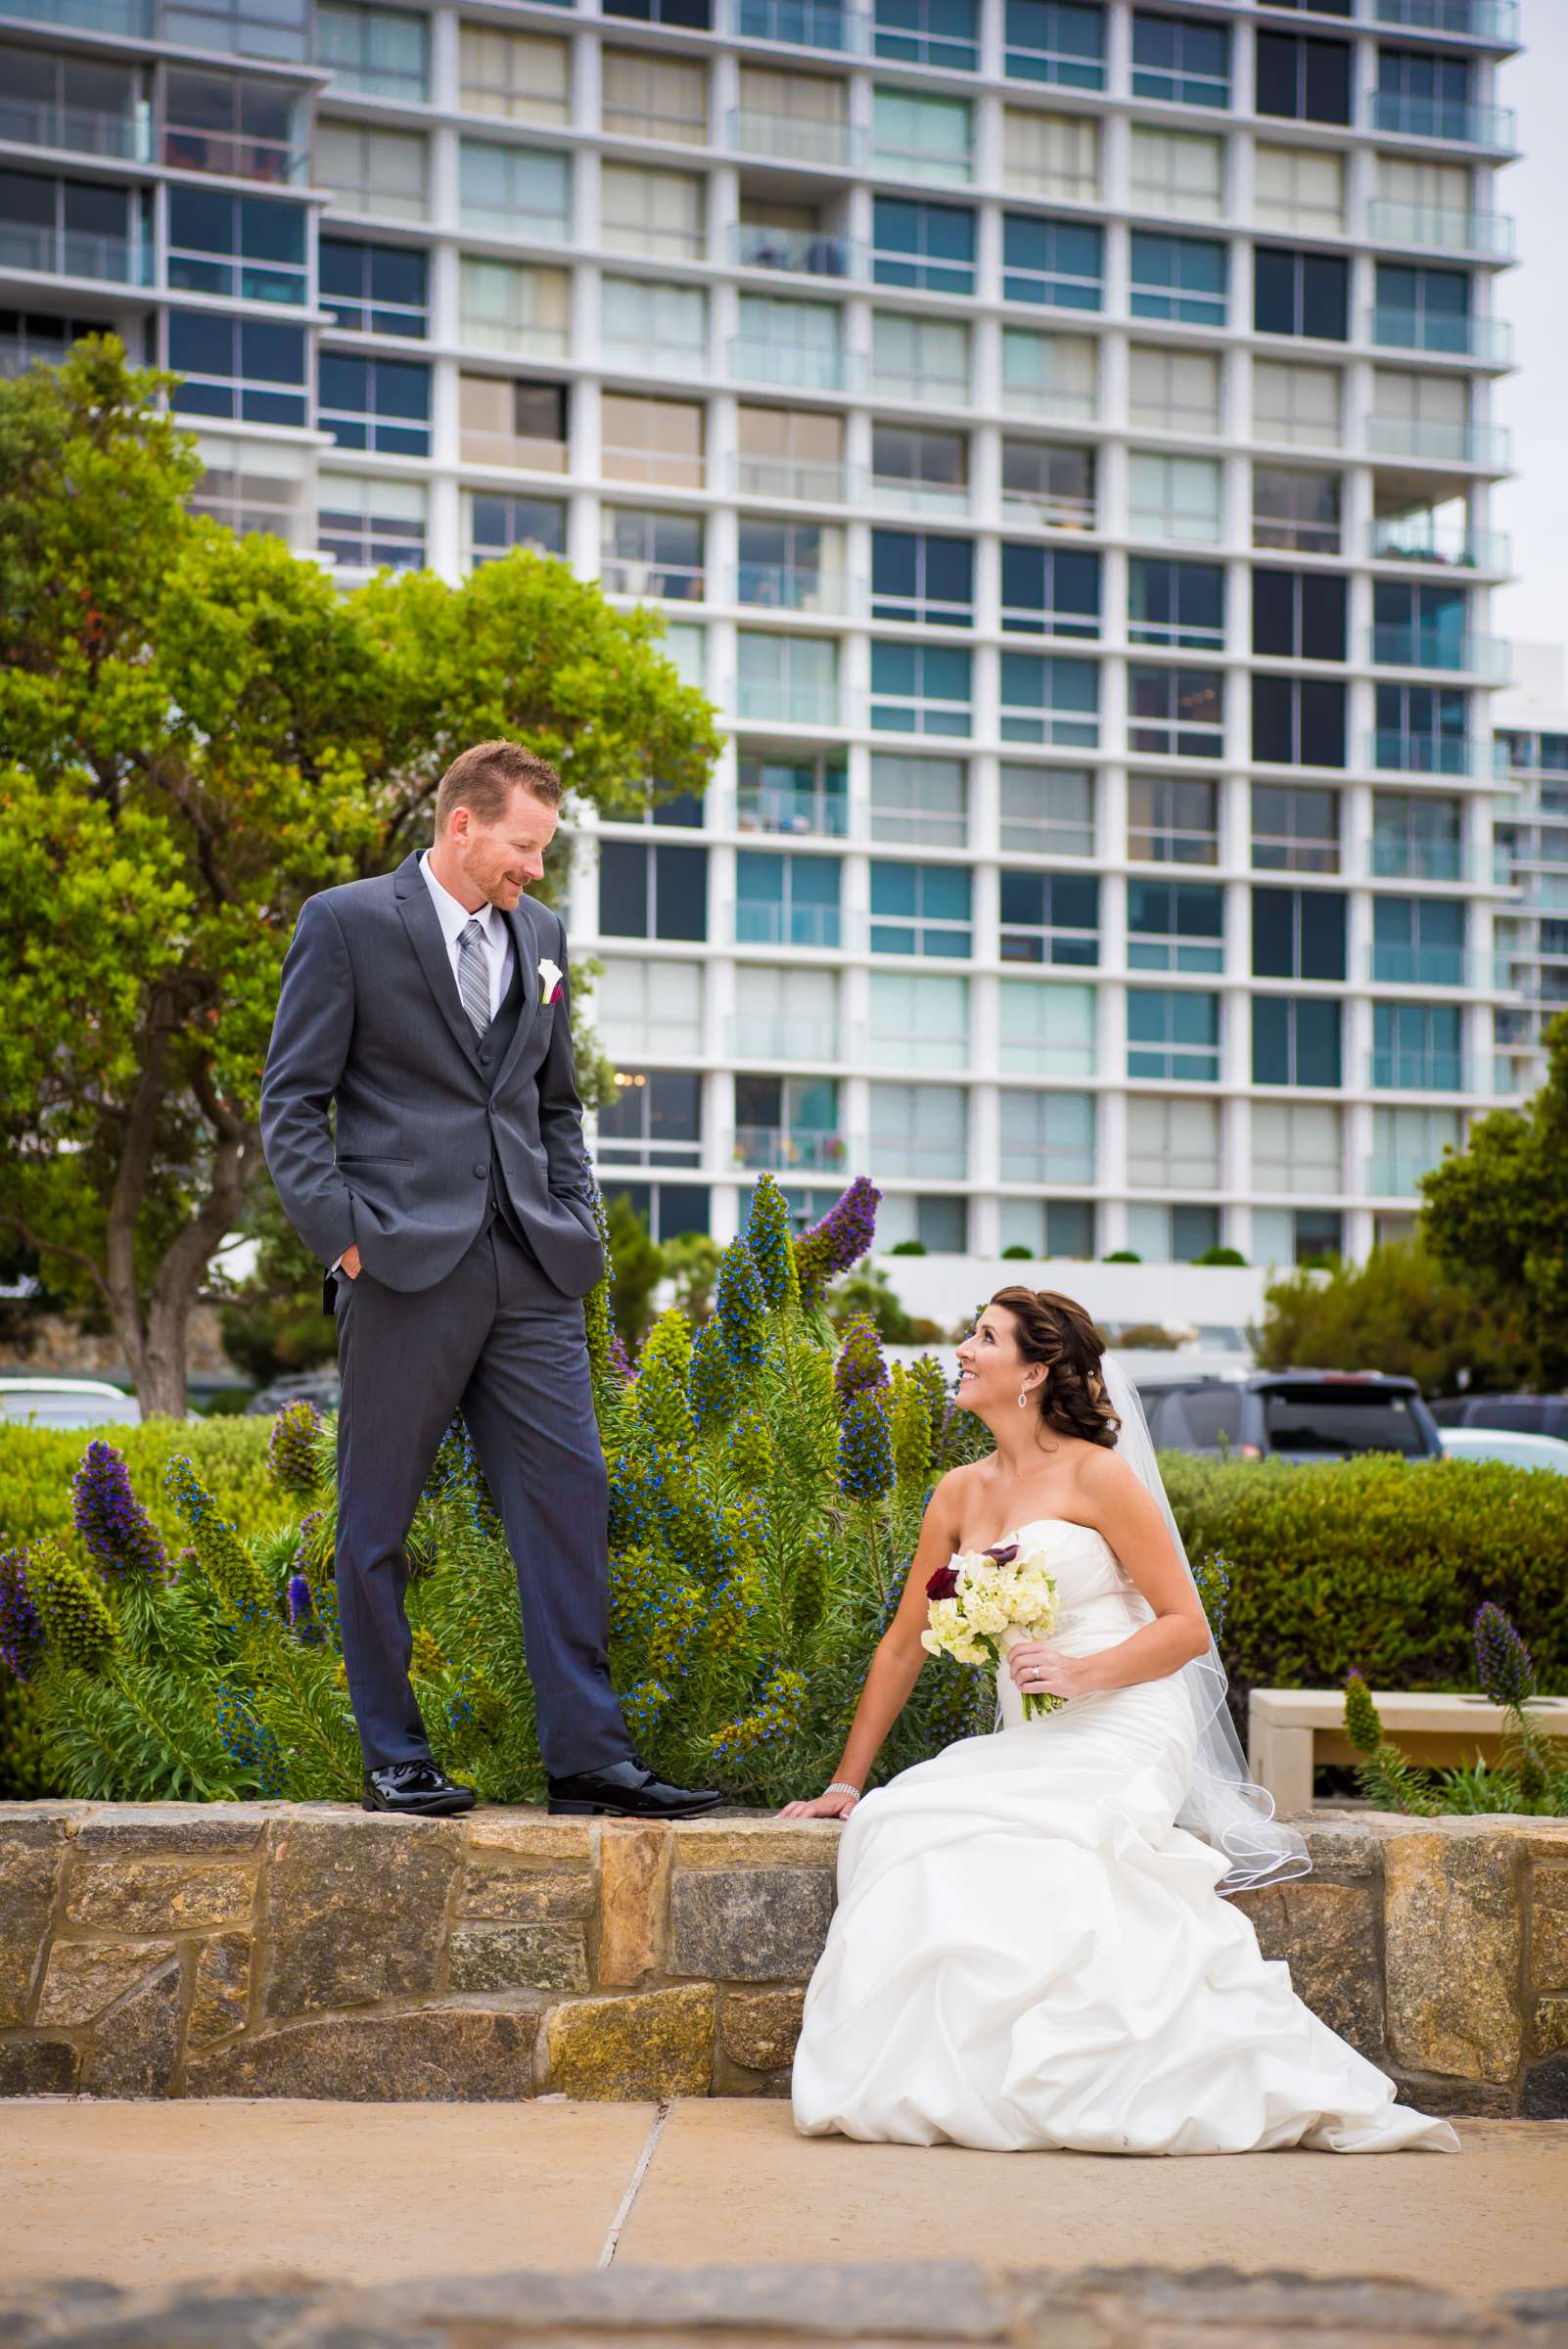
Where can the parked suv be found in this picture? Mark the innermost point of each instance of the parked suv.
(1524, 1414)
(1292, 1414)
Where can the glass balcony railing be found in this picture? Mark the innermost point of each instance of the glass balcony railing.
(791, 814)
(1398, 858)
(1389, 1175)
(1482, 448)
(80, 129)
(511, 451)
(802, 24)
(897, 494)
(1436, 331)
(651, 581)
(793, 366)
(1430, 754)
(798, 481)
(1423, 539)
(1407, 114)
(667, 467)
(1388, 966)
(128, 20)
(787, 701)
(765, 922)
(1414, 647)
(236, 156)
(799, 1147)
(1421, 1072)
(1430, 228)
(795, 139)
(1475, 19)
(818, 1044)
(69, 252)
(794, 587)
(799, 251)
(1050, 509)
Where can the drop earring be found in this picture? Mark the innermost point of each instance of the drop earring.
(1023, 1398)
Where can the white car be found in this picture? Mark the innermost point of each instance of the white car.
(1505, 1444)
(72, 1402)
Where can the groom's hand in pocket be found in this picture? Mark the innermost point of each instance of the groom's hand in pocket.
(349, 1262)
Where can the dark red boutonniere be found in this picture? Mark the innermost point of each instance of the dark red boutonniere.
(944, 1584)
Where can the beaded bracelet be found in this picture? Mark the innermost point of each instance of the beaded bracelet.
(842, 1787)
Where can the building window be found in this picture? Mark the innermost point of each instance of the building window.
(1295, 1043)
(1423, 729)
(940, 1224)
(245, 129)
(1180, 60)
(366, 523)
(249, 246)
(642, 210)
(1059, 263)
(921, 909)
(1301, 293)
(1048, 1227)
(659, 441)
(920, 689)
(1298, 721)
(642, 96)
(1417, 942)
(522, 77)
(1047, 811)
(1418, 1048)
(1297, 1147)
(1050, 700)
(1056, 40)
(670, 1210)
(918, 137)
(929, 32)
(690, 15)
(1298, 934)
(1294, 404)
(788, 793)
(1416, 839)
(918, 1130)
(1176, 604)
(651, 1010)
(1172, 1145)
(515, 308)
(74, 228)
(1295, 510)
(1050, 590)
(1054, 155)
(1298, 189)
(245, 369)
(916, 577)
(923, 469)
(1298, 614)
(261, 29)
(1175, 926)
(382, 52)
(379, 171)
(1172, 1035)
(1047, 1030)
(1423, 309)
(380, 404)
(797, 345)
(1181, 172)
(1051, 919)
(1294, 828)
(786, 1014)
(652, 892)
(1407, 1143)
(1045, 1138)
(375, 289)
(1172, 820)
(790, 680)
(1420, 626)
(1425, 93)
(1050, 375)
(252, 490)
(930, 246)
(919, 1023)
(1181, 279)
(496, 525)
(512, 424)
(1302, 80)
(1174, 390)
(1178, 711)
(655, 1119)
(646, 553)
(919, 802)
(787, 901)
(1052, 483)
(1175, 497)
(787, 1121)
(523, 192)
(924, 361)
(790, 566)
(661, 329)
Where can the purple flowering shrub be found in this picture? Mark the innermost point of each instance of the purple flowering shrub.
(1530, 1775)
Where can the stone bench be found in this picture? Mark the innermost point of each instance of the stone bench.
(1290, 1730)
(273, 1949)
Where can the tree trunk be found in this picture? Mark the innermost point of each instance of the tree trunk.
(154, 1335)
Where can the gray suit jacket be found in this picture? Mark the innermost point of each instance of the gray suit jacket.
(369, 1019)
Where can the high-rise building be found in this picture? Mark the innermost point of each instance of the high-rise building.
(1060, 436)
(1531, 833)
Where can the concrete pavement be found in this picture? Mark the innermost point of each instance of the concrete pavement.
(141, 2193)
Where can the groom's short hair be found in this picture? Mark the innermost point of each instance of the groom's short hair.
(484, 778)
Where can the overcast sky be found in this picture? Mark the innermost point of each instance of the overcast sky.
(1534, 402)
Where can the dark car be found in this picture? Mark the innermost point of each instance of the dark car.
(1522, 1414)
(1293, 1416)
(319, 1387)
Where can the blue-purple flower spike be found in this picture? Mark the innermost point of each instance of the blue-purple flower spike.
(1503, 1664)
(115, 1531)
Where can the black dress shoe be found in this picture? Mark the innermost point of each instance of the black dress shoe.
(627, 1790)
(416, 1789)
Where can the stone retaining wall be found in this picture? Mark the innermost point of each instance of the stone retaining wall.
(316, 1949)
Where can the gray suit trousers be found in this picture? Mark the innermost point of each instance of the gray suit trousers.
(498, 1342)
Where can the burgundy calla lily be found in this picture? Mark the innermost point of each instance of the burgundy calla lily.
(1003, 1552)
(944, 1584)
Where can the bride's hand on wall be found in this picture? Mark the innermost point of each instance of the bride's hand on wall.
(1040, 1670)
(836, 1805)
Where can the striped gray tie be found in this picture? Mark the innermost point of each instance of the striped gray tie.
(474, 976)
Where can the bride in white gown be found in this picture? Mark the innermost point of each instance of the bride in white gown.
(1029, 1951)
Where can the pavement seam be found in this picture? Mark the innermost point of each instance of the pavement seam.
(650, 2146)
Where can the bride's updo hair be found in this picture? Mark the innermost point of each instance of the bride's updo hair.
(1055, 1330)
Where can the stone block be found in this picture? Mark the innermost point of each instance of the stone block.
(86, 1976)
(136, 2043)
(1549, 2026)
(31, 1854)
(1344, 1844)
(659, 2043)
(723, 1843)
(1326, 1933)
(633, 1871)
(535, 1835)
(748, 1924)
(1545, 2096)
(1454, 2099)
(758, 2028)
(1548, 1927)
(496, 1886)
(38, 2067)
(519, 1958)
(440, 2054)
(356, 1907)
(146, 1896)
(1452, 1943)
(188, 1830)
(221, 1998)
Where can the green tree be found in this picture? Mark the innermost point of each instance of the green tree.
(197, 733)
(636, 1268)
(1398, 1311)
(691, 1262)
(1497, 1215)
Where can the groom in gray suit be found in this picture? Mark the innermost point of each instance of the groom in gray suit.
(454, 1216)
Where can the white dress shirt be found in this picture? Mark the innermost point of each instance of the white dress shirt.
(454, 920)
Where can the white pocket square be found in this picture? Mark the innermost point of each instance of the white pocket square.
(549, 980)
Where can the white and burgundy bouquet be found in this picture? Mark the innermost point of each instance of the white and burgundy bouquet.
(985, 1602)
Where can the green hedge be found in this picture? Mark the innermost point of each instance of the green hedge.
(230, 1456)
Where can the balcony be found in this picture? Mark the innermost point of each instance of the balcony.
(511, 452)
(795, 139)
(1481, 448)
(786, 702)
(1422, 1072)
(766, 922)
(794, 587)
(1423, 539)
(1408, 115)
(798, 481)
(125, 20)
(940, 502)
(1414, 647)
(664, 468)
(796, 1148)
(802, 24)
(1388, 966)
(793, 366)
(1398, 858)
(80, 129)
(69, 252)
(792, 815)
(797, 252)
(1429, 228)
(652, 582)
(1392, 1176)
(1488, 341)
(1493, 21)
(1049, 510)
(819, 1043)
(1433, 754)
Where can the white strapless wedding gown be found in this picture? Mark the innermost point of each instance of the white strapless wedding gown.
(1028, 1953)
